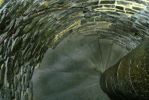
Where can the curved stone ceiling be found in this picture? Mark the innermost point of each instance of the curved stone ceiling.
(29, 27)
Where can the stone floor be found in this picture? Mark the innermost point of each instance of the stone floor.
(72, 70)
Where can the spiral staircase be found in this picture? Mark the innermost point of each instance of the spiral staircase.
(29, 27)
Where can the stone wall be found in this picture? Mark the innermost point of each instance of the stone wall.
(29, 27)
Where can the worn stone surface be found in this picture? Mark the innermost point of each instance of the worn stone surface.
(128, 79)
(29, 27)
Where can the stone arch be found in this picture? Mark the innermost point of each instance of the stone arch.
(29, 27)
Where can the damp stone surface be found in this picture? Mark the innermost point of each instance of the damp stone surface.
(29, 27)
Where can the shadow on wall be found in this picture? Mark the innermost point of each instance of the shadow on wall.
(72, 70)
